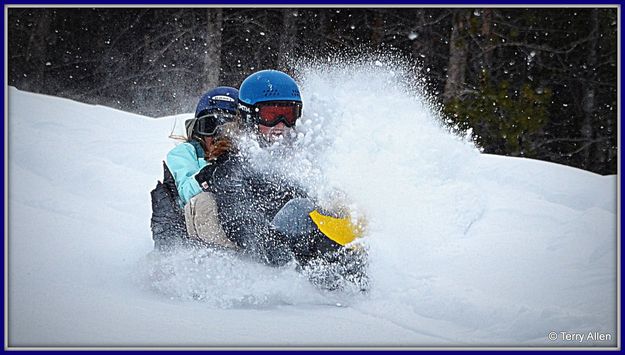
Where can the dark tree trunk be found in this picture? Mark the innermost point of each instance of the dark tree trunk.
(37, 51)
(589, 93)
(458, 53)
(487, 35)
(287, 37)
(377, 28)
(212, 58)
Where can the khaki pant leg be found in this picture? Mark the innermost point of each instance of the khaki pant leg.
(202, 222)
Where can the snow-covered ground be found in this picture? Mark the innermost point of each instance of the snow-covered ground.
(466, 249)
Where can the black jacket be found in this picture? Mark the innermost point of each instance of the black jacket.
(247, 201)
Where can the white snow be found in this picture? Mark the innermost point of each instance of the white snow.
(466, 249)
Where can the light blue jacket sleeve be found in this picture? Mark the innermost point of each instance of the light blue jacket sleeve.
(184, 164)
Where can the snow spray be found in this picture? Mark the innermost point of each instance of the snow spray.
(369, 130)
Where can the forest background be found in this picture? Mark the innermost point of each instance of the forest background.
(532, 82)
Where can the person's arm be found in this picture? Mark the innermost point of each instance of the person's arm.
(184, 164)
(242, 218)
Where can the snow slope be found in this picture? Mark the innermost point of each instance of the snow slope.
(467, 249)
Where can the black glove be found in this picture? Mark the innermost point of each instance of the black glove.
(205, 176)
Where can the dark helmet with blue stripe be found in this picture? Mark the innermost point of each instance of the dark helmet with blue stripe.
(215, 108)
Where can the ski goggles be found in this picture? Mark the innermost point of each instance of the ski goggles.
(271, 114)
(208, 125)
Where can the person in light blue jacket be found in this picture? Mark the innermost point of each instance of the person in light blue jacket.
(193, 163)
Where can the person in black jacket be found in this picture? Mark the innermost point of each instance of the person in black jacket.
(248, 199)
(264, 213)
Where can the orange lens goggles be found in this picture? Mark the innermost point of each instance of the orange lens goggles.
(271, 114)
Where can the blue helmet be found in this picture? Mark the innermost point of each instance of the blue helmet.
(267, 86)
(221, 98)
(215, 108)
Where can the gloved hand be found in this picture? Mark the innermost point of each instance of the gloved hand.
(204, 176)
